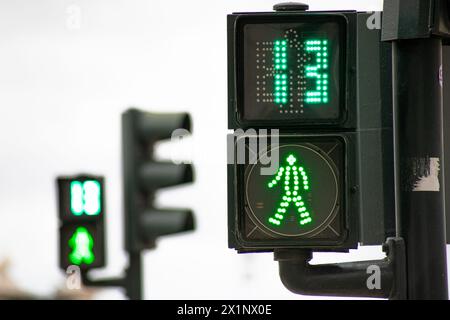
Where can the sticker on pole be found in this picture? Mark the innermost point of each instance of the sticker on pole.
(422, 175)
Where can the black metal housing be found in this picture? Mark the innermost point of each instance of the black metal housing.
(143, 176)
(367, 130)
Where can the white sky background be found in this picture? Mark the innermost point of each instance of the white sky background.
(61, 95)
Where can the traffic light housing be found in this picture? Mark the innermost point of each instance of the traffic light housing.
(81, 218)
(301, 73)
(144, 176)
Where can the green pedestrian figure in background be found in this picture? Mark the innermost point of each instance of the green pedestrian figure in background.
(293, 179)
(82, 245)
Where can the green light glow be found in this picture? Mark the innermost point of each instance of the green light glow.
(284, 172)
(85, 197)
(280, 88)
(81, 244)
(76, 197)
(318, 70)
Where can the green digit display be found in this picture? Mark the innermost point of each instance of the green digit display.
(293, 179)
(291, 71)
(82, 244)
(85, 197)
(318, 71)
(280, 83)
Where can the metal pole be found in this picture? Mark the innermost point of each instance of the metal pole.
(134, 276)
(418, 131)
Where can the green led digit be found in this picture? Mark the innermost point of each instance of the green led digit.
(92, 198)
(319, 71)
(76, 198)
(85, 197)
(294, 181)
(280, 81)
(81, 244)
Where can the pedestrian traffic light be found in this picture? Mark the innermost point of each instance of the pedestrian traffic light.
(81, 217)
(82, 207)
(144, 176)
(305, 74)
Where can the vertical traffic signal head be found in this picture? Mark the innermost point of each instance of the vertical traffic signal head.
(293, 71)
(85, 197)
(81, 215)
(143, 176)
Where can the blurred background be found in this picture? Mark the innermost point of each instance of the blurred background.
(67, 71)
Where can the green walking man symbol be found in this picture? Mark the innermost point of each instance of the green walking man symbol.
(294, 180)
(81, 243)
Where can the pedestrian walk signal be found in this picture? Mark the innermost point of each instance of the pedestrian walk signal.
(301, 203)
(81, 216)
(81, 243)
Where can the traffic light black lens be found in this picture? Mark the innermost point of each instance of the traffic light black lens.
(302, 199)
(292, 71)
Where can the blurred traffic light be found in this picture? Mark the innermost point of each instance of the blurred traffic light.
(82, 207)
(81, 214)
(322, 79)
(144, 176)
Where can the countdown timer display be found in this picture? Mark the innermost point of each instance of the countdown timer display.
(292, 71)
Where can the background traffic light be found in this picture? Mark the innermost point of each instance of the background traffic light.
(144, 176)
(322, 79)
(81, 201)
(81, 217)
